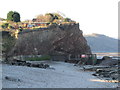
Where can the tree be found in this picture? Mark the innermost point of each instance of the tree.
(10, 15)
(16, 17)
(13, 16)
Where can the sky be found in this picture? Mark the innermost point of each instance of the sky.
(94, 16)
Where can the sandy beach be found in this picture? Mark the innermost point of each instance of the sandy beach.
(59, 75)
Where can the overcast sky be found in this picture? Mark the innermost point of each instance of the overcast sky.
(94, 16)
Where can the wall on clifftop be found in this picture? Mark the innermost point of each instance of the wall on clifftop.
(57, 39)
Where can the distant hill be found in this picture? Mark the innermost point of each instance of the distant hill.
(102, 43)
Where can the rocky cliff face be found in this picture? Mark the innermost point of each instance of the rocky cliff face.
(57, 39)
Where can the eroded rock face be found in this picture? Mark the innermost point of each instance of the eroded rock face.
(57, 39)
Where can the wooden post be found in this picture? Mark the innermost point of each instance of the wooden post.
(92, 61)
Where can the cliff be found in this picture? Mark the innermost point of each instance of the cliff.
(56, 39)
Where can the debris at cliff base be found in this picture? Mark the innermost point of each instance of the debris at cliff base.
(93, 68)
(110, 73)
(9, 78)
(28, 64)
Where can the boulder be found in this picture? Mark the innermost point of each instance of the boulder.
(109, 62)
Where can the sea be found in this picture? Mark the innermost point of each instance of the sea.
(100, 55)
